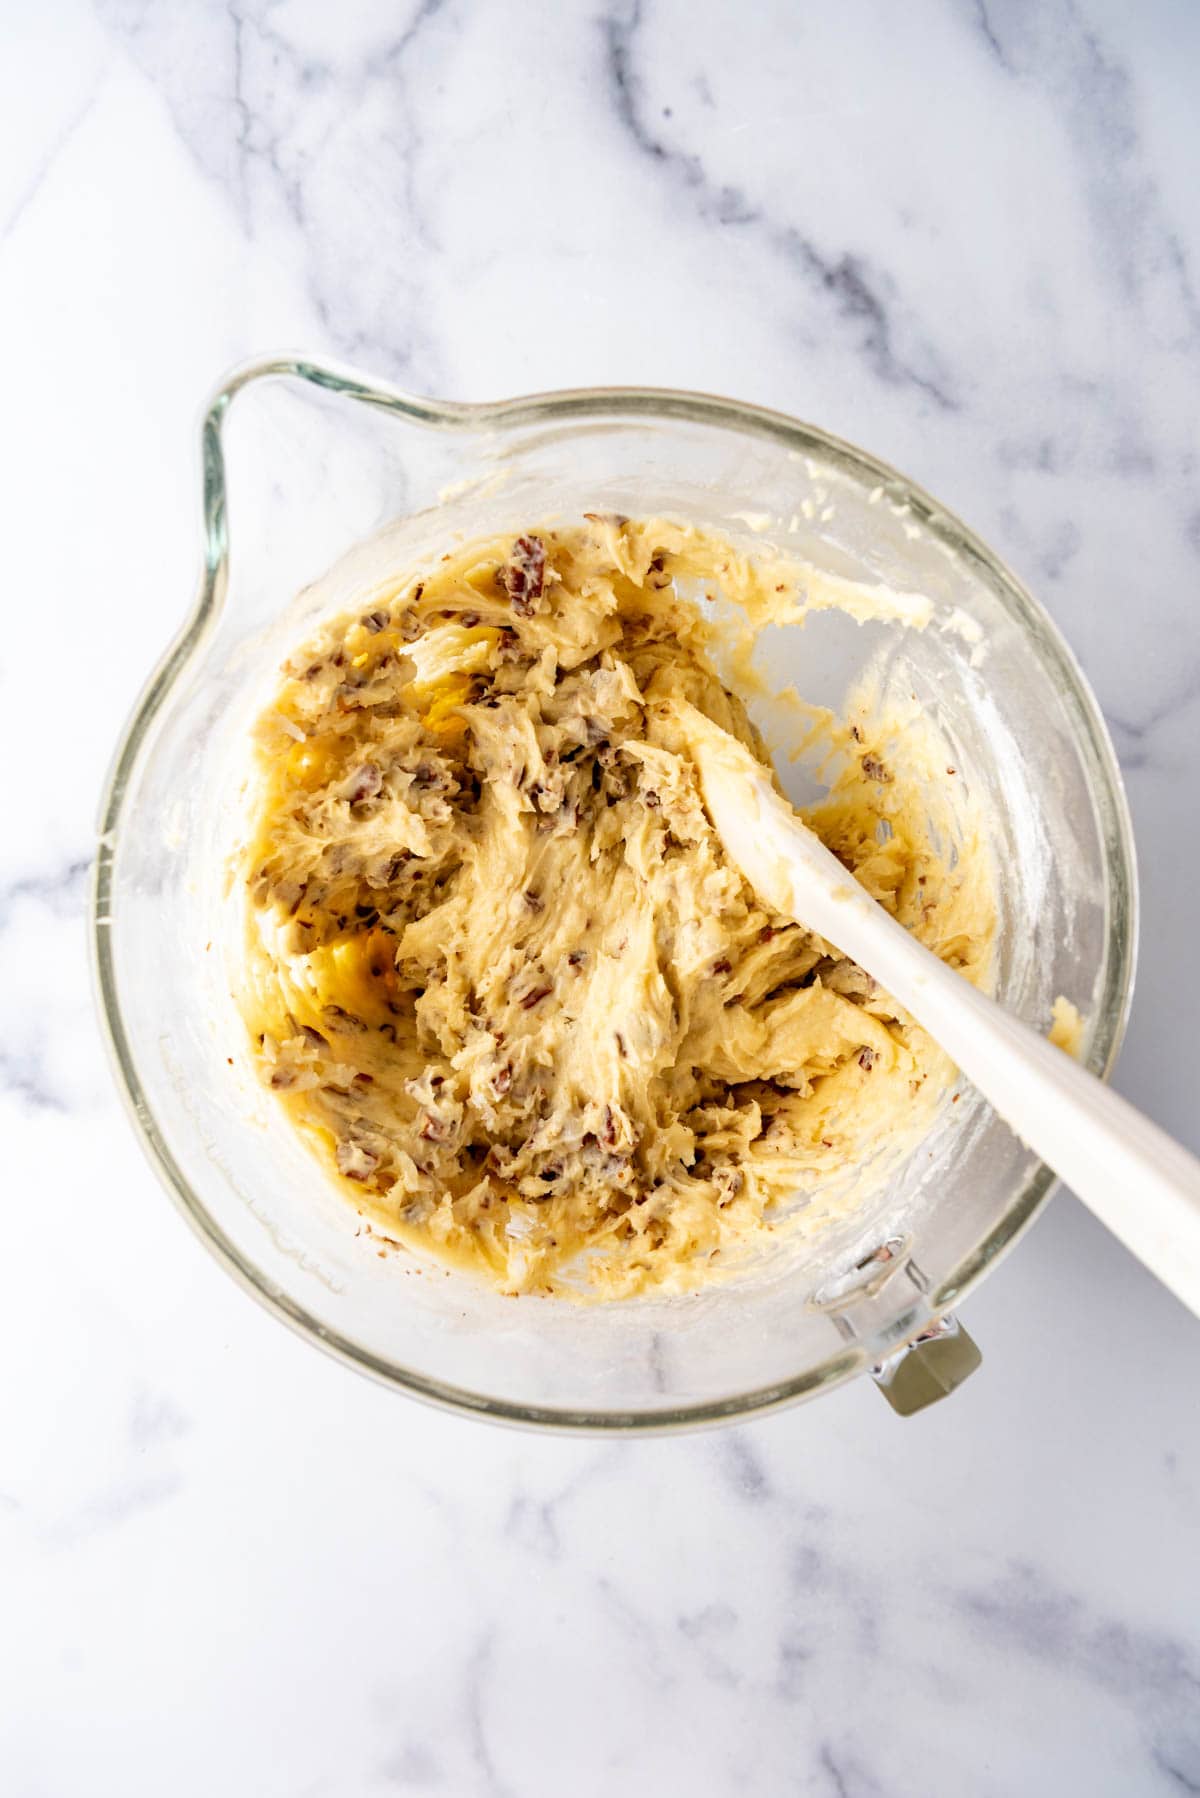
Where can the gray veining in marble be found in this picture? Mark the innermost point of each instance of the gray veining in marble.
(965, 234)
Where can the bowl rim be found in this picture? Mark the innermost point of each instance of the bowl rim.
(628, 403)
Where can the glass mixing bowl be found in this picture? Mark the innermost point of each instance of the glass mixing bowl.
(315, 478)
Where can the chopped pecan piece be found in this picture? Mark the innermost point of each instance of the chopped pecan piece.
(355, 1161)
(366, 783)
(525, 574)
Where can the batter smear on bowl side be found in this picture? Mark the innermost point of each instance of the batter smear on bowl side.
(498, 967)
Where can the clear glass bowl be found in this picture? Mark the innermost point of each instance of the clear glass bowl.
(313, 461)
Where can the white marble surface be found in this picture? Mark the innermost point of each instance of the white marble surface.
(965, 234)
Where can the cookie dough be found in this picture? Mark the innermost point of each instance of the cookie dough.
(1066, 1028)
(498, 966)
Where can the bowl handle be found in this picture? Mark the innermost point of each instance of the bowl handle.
(928, 1368)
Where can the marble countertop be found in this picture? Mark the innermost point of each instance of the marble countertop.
(966, 237)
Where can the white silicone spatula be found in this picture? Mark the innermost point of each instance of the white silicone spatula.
(1142, 1185)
